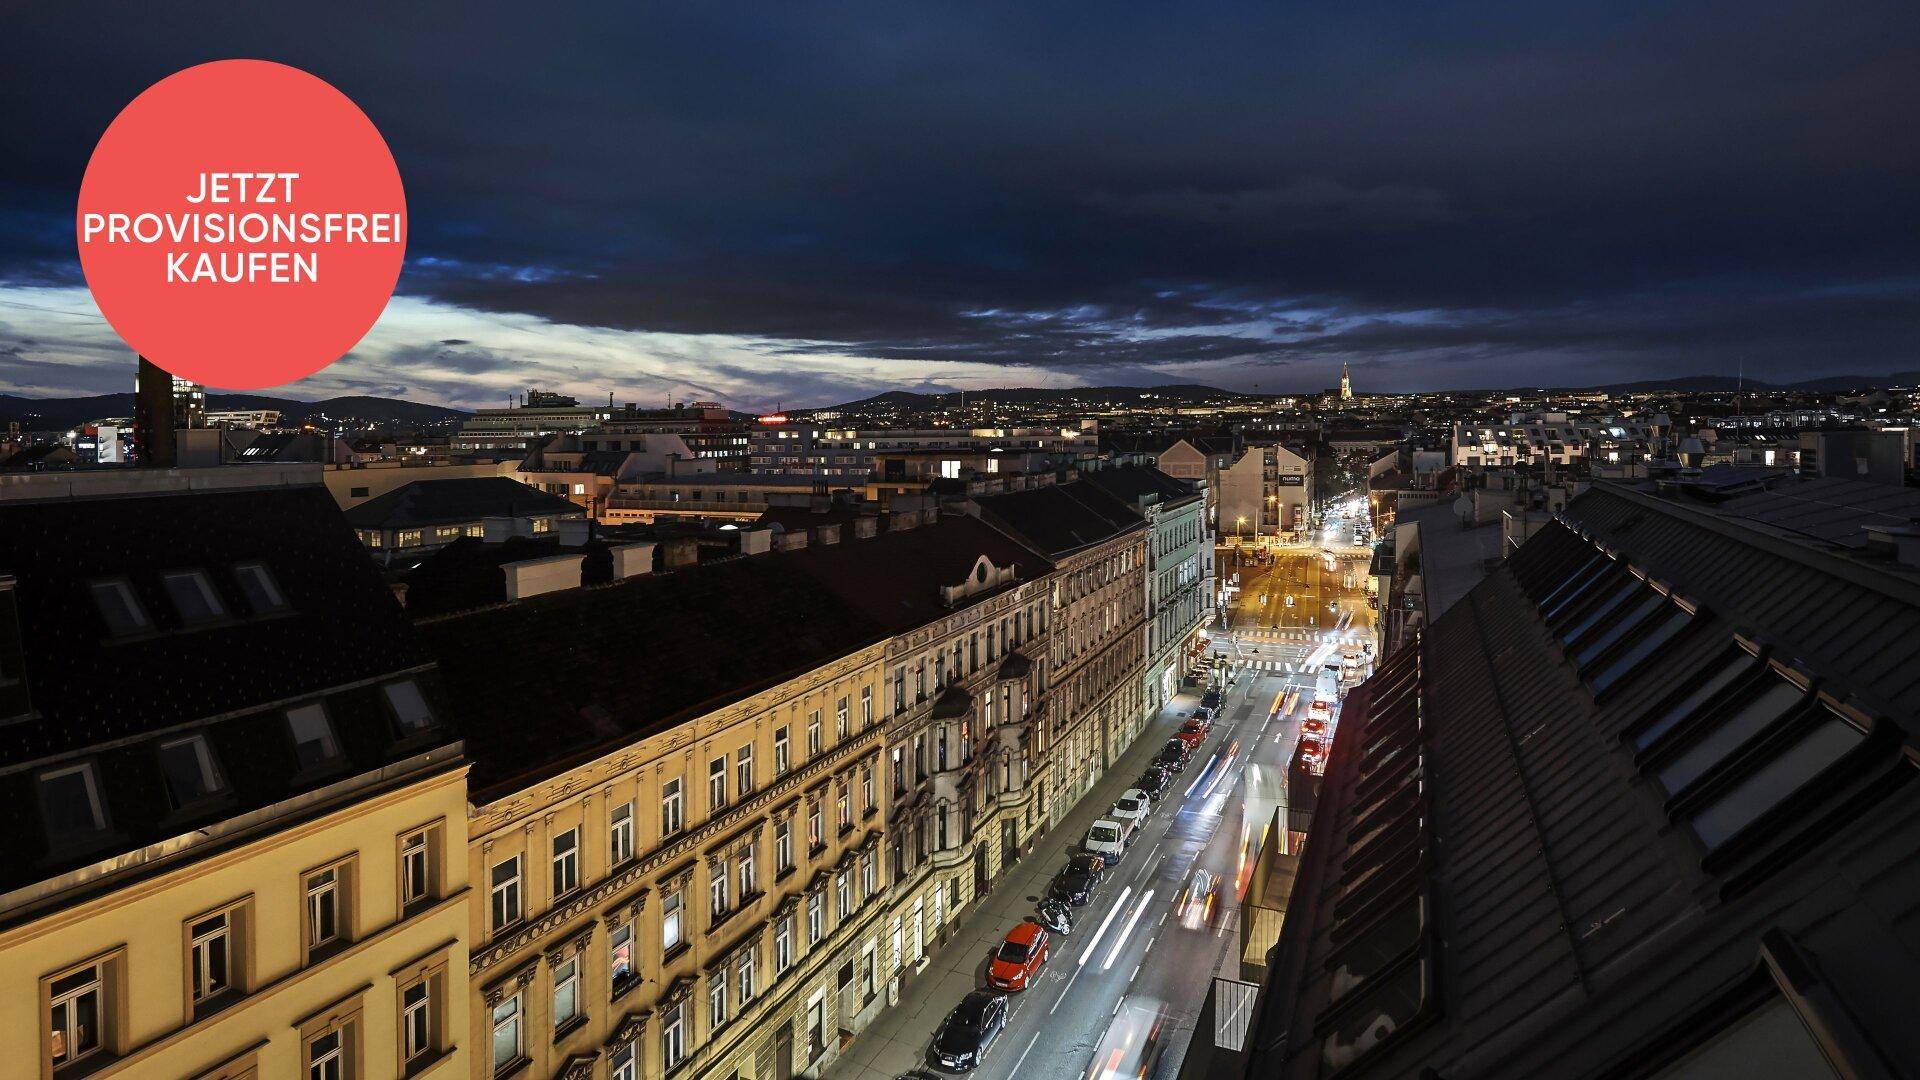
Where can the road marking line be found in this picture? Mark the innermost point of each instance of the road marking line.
(1023, 1054)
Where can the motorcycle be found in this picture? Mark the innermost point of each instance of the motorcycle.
(1055, 916)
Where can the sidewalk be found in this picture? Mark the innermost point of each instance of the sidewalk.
(896, 1041)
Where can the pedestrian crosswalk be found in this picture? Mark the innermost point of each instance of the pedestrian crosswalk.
(1301, 634)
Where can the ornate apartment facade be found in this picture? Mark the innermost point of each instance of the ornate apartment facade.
(1092, 706)
(698, 855)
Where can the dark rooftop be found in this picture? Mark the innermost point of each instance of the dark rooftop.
(456, 501)
(1060, 519)
(225, 661)
(1140, 486)
(1570, 830)
(545, 683)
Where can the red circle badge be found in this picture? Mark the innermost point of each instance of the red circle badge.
(241, 224)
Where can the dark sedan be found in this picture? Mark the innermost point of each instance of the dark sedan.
(969, 1029)
(1076, 883)
(1172, 756)
(1155, 782)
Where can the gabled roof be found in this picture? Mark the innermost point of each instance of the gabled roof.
(544, 683)
(895, 578)
(1139, 486)
(107, 699)
(455, 501)
(1061, 519)
(1566, 830)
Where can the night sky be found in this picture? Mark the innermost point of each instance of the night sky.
(803, 203)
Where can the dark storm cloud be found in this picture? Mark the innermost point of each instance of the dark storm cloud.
(1473, 191)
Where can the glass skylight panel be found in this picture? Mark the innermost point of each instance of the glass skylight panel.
(1740, 665)
(313, 741)
(120, 608)
(409, 706)
(1622, 588)
(1604, 640)
(1665, 629)
(187, 765)
(1730, 734)
(1383, 943)
(1376, 1017)
(1575, 587)
(262, 592)
(193, 596)
(1773, 782)
(71, 801)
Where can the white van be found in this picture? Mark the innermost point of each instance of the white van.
(1107, 839)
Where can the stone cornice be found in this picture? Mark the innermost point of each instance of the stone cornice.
(688, 844)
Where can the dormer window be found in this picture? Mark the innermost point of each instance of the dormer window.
(120, 608)
(193, 596)
(70, 801)
(409, 706)
(262, 592)
(187, 764)
(313, 741)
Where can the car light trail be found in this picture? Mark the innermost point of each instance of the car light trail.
(1134, 920)
(1104, 923)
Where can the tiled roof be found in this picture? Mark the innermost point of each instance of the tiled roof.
(1060, 519)
(1615, 798)
(107, 697)
(896, 578)
(455, 501)
(1138, 485)
(546, 682)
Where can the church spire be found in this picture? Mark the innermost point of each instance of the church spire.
(1346, 382)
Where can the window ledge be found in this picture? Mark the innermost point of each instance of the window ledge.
(622, 987)
(513, 1068)
(670, 955)
(578, 1021)
(426, 1064)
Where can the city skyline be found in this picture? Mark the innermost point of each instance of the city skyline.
(816, 206)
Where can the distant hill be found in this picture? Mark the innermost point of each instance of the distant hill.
(1030, 395)
(60, 413)
(1726, 384)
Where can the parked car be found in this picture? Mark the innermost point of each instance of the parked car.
(1154, 781)
(1192, 733)
(1020, 958)
(1210, 701)
(969, 1030)
(1076, 883)
(1131, 808)
(1313, 749)
(1172, 756)
(1108, 839)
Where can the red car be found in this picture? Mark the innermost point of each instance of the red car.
(1193, 733)
(1310, 726)
(1019, 958)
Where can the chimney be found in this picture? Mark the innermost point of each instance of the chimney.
(537, 576)
(826, 535)
(153, 420)
(681, 551)
(756, 541)
(865, 527)
(500, 528)
(632, 560)
(1901, 543)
